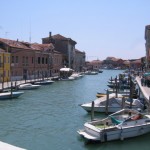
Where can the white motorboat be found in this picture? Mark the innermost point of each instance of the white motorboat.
(91, 73)
(28, 86)
(10, 95)
(44, 82)
(114, 104)
(123, 124)
(77, 75)
(67, 79)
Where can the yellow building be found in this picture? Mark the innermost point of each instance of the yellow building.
(4, 66)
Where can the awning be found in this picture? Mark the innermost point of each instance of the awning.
(66, 69)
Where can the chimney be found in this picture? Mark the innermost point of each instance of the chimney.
(50, 34)
(50, 37)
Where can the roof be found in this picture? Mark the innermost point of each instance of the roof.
(14, 43)
(44, 47)
(60, 37)
(27, 45)
(138, 61)
(113, 58)
(78, 51)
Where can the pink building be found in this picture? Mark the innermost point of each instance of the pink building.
(31, 61)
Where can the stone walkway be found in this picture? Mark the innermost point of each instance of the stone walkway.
(144, 89)
(8, 84)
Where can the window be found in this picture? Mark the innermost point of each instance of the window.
(39, 60)
(12, 59)
(26, 60)
(23, 59)
(42, 60)
(4, 59)
(8, 59)
(16, 59)
(32, 60)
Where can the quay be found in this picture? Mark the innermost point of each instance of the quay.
(5, 146)
(143, 89)
(16, 83)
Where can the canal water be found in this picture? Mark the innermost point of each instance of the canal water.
(48, 118)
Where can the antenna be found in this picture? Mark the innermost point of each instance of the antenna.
(30, 32)
(6, 33)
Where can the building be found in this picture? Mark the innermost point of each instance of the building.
(30, 61)
(112, 62)
(94, 65)
(4, 66)
(64, 45)
(79, 61)
(147, 46)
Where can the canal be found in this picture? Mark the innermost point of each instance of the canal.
(48, 118)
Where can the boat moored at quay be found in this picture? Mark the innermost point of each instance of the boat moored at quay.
(123, 124)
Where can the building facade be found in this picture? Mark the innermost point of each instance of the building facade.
(4, 66)
(64, 45)
(79, 61)
(30, 61)
(147, 46)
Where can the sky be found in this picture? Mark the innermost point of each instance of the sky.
(101, 28)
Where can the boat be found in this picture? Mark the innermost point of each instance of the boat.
(65, 74)
(123, 124)
(124, 93)
(98, 95)
(44, 82)
(114, 104)
(9, 95)
(100, 71)
(77, 75)
(28, 86)
(121, 86)
(67, 79)
(91, 73)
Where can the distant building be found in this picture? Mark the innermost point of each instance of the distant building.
(94, 65)
(112, 62)
(136, 64)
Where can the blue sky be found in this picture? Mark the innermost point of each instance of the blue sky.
(101, 28)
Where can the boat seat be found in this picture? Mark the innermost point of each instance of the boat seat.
(115, 121)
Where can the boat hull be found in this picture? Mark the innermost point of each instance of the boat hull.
(114, 134)
(8, 95)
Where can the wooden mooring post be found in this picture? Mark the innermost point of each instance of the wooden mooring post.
(116, 85)
(92, 111)
(107, 102)
(11, 89)
(131, 92)
(123, 102)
